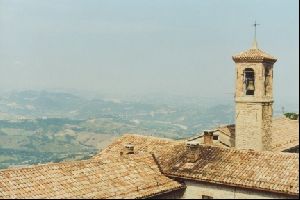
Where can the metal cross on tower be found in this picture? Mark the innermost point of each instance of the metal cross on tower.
(255, 25)
(255, 43)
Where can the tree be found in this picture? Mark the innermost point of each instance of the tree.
(293, 116)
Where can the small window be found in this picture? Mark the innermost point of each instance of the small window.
(215, 137)
(206, 197)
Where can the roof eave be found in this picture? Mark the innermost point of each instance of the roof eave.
(181, 187)
(253, 60)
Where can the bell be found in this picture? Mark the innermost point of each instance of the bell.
(250, 85)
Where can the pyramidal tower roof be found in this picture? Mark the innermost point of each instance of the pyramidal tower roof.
(254, 54)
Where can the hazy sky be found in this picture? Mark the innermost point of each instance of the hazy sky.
(144, 46)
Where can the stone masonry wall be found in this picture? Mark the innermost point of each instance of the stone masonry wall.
(248, 126)
(267, 113)
(254, 112)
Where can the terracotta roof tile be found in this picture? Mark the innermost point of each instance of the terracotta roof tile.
(270, 171)
(127, 176)
(285, 133)
(276, 172)
(164, 149)
(253, 55)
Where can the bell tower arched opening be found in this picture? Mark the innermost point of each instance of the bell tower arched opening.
(249, 81)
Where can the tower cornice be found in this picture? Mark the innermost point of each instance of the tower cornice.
(253, 100)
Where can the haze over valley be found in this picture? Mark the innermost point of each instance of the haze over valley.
(43, 126)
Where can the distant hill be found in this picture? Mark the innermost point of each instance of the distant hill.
(43, 126)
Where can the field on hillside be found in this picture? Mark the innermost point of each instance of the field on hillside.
(39, 127)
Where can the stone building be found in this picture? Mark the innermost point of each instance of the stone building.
(255, 127)
(284, 133)
(253, 99)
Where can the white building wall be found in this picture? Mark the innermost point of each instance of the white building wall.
(195, 190)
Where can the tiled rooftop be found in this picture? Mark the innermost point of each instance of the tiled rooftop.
(253, 55)
(285, 133)
(276, 172)
(127, 176)
(164, 149)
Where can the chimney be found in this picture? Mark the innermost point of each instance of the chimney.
(192, 151)
(129, 149)
(208, 137)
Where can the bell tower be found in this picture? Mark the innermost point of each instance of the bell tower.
(253, 99)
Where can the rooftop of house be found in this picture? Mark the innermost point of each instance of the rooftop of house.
(165, 150)
(274, 172)
(134, 176)
(285, 133)
(268, 171)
